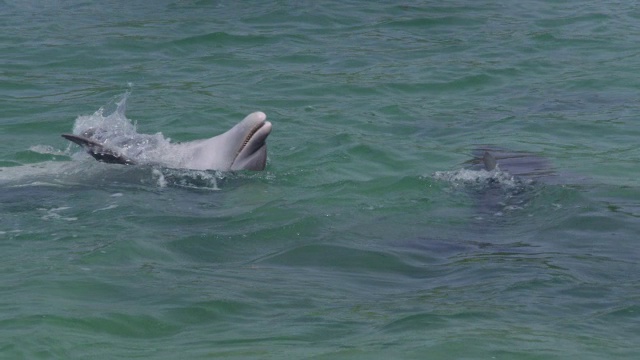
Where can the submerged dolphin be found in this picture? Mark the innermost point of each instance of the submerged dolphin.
(521, 165)
(501, 181)
(243, 147)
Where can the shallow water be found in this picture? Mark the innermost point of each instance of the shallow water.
(365, 237)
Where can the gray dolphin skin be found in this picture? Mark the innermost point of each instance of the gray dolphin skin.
(520, 164)
(243, 147)
(489, 161)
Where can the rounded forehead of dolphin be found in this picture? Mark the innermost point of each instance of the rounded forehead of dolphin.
(253, 119)
(245, 127)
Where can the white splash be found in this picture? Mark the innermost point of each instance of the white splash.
(468, 177)
(108, 207)
(54, 214)
(192, 179)
(121, 135)
(48, 150)
(162, 182)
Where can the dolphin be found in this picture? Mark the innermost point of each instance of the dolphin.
(501, 181)
(521, 165)
(243, 147)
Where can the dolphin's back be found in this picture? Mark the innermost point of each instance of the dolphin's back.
(489, 161)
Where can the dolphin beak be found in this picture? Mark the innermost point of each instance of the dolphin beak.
(252, 154)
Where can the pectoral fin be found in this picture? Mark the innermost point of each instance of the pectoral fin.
(99, 151)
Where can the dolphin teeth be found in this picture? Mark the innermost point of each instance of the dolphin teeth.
(248, 138)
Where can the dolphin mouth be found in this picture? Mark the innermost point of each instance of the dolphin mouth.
(252, 154)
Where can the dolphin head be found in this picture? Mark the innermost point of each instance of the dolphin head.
(251, 147)
(243, 147)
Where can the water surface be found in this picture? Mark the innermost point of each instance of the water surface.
(364, 237)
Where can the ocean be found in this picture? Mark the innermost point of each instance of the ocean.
(374, 232)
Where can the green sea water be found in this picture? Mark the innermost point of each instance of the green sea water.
(365, 237)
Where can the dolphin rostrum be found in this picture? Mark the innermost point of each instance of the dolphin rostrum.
(243, 147)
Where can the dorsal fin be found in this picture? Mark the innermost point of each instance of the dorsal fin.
(99, 151)
(489, 161)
